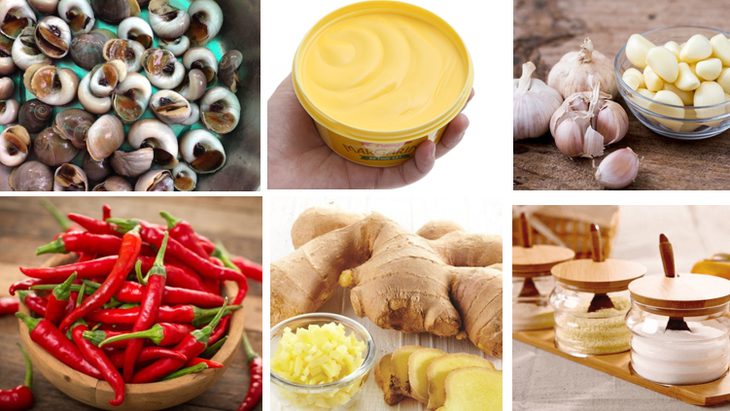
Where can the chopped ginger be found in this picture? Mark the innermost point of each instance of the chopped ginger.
(317, 354)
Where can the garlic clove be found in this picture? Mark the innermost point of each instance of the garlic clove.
(636, 49)
(612, 122)
(568, 137)
(592, 143)
(619, 169)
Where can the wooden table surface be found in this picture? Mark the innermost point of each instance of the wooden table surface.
(544, 30)
(474, 215)
(544, 381)
(24, 225)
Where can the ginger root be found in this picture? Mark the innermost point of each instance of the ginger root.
(440, 368)
(473, 389)
(399, 280)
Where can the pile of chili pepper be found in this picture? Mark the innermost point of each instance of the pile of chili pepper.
(142, 302)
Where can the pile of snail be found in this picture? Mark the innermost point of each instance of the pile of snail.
(122, 69)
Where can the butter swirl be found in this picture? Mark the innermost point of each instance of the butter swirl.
(382, 71)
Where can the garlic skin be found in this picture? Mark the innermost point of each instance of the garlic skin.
(619, 169)
(534, 102)
(586, 122)
(579, 71)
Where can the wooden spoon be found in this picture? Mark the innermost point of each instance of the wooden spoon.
(528, 287)
(599, 301)
(667, 253)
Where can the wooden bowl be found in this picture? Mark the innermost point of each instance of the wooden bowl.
(139, 397)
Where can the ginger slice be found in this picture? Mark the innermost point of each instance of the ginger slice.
(440, 368)
(418, 364)
(473, 389)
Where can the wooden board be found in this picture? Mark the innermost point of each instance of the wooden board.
(473, 214)
(544, 30)
(619, 365)
(24, 225)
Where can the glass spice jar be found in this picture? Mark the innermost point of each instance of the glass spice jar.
(678, 333)
(532, 282)
(591, 300)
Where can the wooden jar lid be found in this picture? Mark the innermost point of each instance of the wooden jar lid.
(597, 275)
(535, 260)
(680, 295)
(682, 292)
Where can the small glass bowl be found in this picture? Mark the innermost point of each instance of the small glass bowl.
(336, 395)
(665, 119)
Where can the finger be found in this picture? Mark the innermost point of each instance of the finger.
(453, 134)
(422, 163)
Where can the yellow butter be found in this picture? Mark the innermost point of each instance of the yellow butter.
(380, 77)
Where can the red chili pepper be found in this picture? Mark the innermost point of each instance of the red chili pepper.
(19, 398)
(131, 292)
(58, 300)
(85, 270)
(191, 346)
(93, 225)
(99, 358)
(209, 363)
(176, 275)
(34, 303)
(128, 253)
(149, 306)
(183, 232)
(164, 334)
(185, 314)
(255, 369)
(45, 334)
(101, 244)
(224, 259)
(248, 268)
(24, 285)
(146, 355)
(8, 305)
(106, 212)
(179, 252)
(207, 245)
(220, 330)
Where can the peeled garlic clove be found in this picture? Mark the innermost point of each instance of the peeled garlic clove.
(721, 48)
(633, 78)
(636, 50)
(70, 177)
(686, 79)
(534, 102)
(709, 69)
(612, 122)
(618, 169)
(663, 63)
(697, 48)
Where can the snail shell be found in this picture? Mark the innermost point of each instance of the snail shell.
(50, 84)
(35, 115)
(87, 48)
(167, 21)
(228, 69)
(162, 68)
(44, 6)
(159, 136)
(131, 97)
(220, 110)
(14, 145)
(53, 37)
(170, 107)
(25, 52)
(70, 177)
(113, 183)
(206, 19)
(114, 11)
(90, 102)
(185, 177)
(155, 180)
(96, 170)
(7, 88)
(203, 59)
(193, 85)
(15, 16)
(8, 111)
(31, 176)
(135, 28)
(78, 14)
(73, 124)
(203, 151)
(51, 149)
(132, 163)
(104, 137)
(178, 46)
(128, 51)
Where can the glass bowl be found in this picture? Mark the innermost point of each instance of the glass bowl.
(679, 122)
(341, 394)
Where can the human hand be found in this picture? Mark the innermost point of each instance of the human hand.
(299, 158)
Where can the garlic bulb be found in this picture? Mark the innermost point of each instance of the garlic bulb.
(580, 71)
(618, 169)
(586, 122)
(534, 104)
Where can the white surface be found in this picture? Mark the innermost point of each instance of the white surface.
(547, 382)
(473, 215)
(485, 147)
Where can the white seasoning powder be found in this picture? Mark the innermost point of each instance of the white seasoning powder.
(679, 356)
